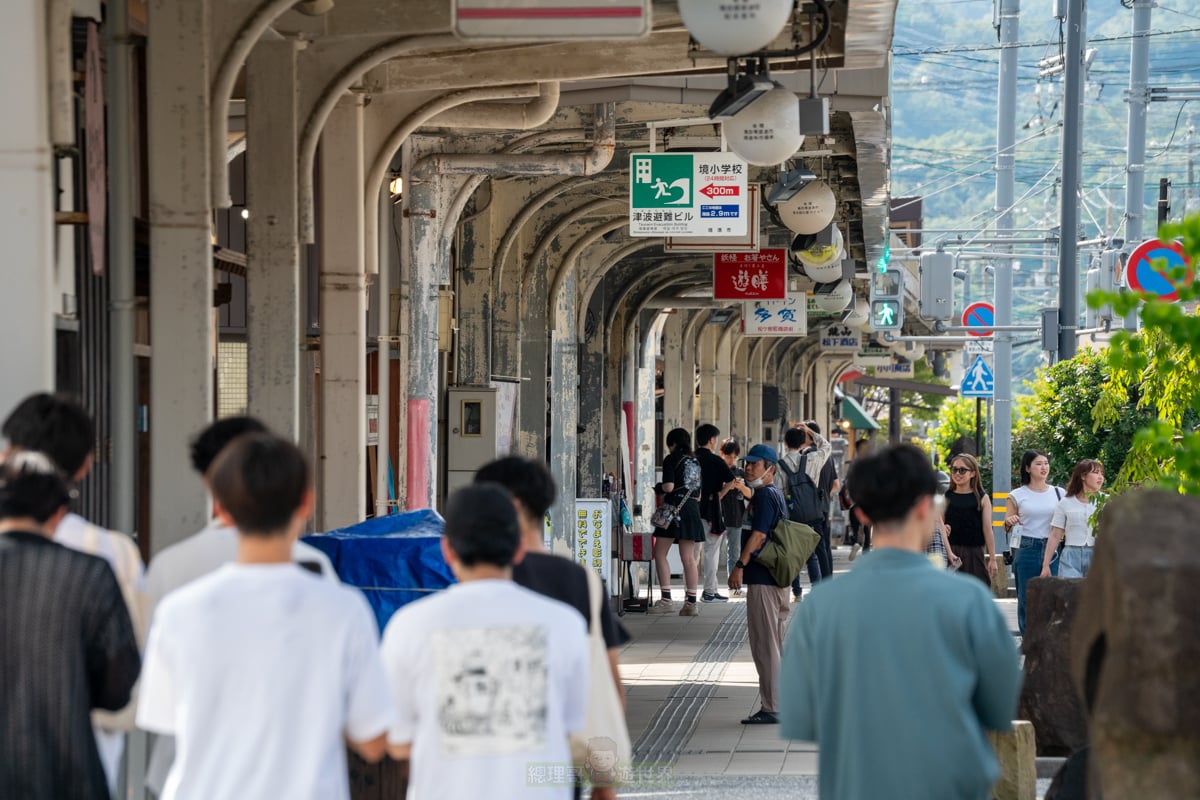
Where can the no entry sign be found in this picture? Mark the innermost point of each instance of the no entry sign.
(750, 276)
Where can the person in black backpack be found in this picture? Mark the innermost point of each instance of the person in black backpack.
(681, 483)
(800, 474)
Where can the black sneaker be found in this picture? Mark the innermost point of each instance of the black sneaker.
(713, 598)
(761, 717)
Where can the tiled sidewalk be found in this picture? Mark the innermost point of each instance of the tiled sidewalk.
(657, 662)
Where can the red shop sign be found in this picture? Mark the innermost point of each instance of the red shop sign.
(750, 276)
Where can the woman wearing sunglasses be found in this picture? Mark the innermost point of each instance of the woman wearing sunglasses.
(969, 519)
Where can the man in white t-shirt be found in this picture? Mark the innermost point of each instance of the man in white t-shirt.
(490, 678)
(202, 553)
(262, 671)
(63, 430)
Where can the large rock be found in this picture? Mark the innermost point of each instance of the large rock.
(1048, 697)
(1018, 764)
(1136, 649)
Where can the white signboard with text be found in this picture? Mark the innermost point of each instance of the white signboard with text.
(775, 317)
(841, 339)
(593, 535)
(687, 194)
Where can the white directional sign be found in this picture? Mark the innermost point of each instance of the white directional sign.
(840, 339)
(873, 354)
(775, 317)
(977, 345)
(551, 20)
(687, 194)
(979, 380)
(895, 369)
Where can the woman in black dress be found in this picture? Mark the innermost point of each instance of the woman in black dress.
(687, 528)
(969, 519)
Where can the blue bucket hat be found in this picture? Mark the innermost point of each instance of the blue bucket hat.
(762, 452)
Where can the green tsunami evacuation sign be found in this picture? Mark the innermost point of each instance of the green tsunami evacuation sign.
(662, 181)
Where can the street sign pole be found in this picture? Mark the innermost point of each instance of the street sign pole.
(1006, 110)
(1072, 167)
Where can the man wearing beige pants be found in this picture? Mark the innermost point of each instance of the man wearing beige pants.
(767, 605)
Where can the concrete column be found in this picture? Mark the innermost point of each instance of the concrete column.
(27, 302)
(273, 277)
(181, 313)
(724, 378)
(531, 435)
(614, 397)
(426, 266)
(739, 419)
(641, 350)
(673, 384)
(475, 300)
(564, 412)
(754, 392)
(592, 463)
(706, 358)
(691, 333)
(822, 398)
(343, 435)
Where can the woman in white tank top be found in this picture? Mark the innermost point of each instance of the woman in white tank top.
(1030, 508)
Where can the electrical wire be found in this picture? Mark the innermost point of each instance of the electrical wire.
(994, 48)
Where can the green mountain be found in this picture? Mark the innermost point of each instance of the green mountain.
(944, 117)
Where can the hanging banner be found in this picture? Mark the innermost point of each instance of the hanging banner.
(593, 535)
(750, 276)
(551, 20)
(840, 339)
(775, 317)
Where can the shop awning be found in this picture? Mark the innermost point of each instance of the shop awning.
(860, 420)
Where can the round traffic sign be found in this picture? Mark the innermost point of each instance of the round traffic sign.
(1141, 275)
(979, 315)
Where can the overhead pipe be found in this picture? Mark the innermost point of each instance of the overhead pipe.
(383, 157)
(504, 116)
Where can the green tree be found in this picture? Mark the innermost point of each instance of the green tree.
(1159, 369)
(956, 420)
(1058, 419)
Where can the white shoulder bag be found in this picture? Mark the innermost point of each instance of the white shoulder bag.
(605, 729)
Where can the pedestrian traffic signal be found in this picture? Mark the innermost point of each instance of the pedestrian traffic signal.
(887, 299)
(887, 315)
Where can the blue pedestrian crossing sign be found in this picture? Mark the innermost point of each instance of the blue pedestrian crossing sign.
(979, 380)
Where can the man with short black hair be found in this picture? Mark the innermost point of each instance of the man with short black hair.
(828, 485)
(260, 670)
(66, 643)
(946, 656)
(63, 430)
(532, 487)
(490, 678)
(806, 452)
(766, 603)
(715, 480)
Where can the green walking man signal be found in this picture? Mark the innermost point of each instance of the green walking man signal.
(887, 298)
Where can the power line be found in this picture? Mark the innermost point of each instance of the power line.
(994, 48)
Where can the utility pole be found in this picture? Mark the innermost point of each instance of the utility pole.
(1008, 18)
(1135, 137)
(1072, 167)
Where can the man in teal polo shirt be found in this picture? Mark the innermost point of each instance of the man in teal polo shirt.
(937, 663)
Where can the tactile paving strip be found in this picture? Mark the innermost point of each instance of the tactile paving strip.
(676, 720)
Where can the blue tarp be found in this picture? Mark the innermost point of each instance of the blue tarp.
(393, 560)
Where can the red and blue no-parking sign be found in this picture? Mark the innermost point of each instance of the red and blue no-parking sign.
(1141, 275)
(980, 316)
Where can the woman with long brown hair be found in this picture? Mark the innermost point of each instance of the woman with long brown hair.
(969, 519)
(1072, 522)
